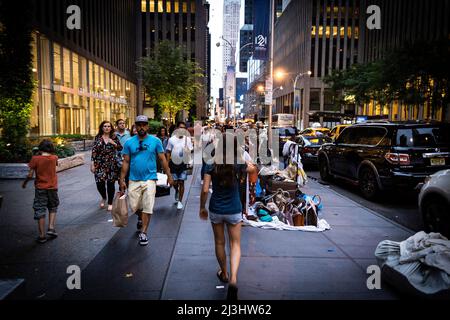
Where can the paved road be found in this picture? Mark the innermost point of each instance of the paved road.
(399, 206)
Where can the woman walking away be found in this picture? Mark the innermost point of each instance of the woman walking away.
(104, 162)
(225, 208)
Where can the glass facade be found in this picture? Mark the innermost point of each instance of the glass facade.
(74, 95)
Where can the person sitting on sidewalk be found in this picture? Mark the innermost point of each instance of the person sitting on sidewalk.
(139, 156)
(46, 188)
(225, 208)
(176, 147)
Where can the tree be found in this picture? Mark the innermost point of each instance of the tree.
(169, 79)
(414, 74)
(16, 84)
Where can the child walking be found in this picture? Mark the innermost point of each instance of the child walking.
(46, 188)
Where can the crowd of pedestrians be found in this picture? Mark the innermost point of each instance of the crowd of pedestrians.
(133, 158)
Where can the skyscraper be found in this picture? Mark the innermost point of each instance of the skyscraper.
(185, 24)
(246, 36)
(231, 12)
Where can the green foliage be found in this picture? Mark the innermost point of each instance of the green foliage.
(14, 118)
(15, 153)
(73, 137)
(170, 79)
(154, 126)
(414, 74)
(64, 150)
(16, 84)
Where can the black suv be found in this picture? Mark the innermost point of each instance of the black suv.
(383, 155)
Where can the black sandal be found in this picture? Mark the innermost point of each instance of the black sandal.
(221, 278)
(232, 293)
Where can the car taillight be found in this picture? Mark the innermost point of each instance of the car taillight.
(398, 158)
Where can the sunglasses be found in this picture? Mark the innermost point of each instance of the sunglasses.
(142, 146)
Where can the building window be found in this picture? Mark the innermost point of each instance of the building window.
(193, 7)
(185, 7)
(144, 6)
(66, 68)
(177, 7)
(160, 6)
(168, 7)
(57, 64)
(152, 6)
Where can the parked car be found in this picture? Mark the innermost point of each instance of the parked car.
(379, 156)
(315, 131)
(337, 130)
(434, 203)
(309, 147)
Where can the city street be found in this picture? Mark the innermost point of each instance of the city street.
(179, 262)
(399, 206)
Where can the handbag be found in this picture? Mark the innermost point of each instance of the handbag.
(120, 210)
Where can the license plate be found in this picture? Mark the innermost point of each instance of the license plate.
(437, 161)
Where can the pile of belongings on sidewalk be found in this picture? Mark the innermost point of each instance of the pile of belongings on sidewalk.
(419, 265)
(281, 205)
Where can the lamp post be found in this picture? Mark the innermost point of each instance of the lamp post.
(233, 80)
(297, 108)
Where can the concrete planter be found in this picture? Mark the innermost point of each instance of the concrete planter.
(20, 170)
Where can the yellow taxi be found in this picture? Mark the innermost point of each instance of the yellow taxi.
(337, 130)
(315, 131)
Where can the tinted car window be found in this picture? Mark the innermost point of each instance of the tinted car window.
(424, 137)
(348, 136)
(287, 132)
(370, 136)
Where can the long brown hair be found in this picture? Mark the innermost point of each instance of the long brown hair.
(226, 173)
(100, 129)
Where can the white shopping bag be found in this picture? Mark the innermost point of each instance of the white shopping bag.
(162, 179)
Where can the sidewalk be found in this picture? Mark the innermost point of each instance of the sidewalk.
(285, 264)
(179, 262)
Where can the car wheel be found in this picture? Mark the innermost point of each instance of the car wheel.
(436, 216)
(368, 183)
(324, 169)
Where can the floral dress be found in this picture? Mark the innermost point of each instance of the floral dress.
(105, 158)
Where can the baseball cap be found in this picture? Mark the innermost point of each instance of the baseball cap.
(141, 118)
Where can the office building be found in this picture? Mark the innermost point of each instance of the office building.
(183, 22)
(83, 76)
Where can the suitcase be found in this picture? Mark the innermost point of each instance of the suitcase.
(285, 185)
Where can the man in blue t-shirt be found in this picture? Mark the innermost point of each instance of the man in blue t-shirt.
(140, 154)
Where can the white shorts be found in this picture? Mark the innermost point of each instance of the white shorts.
(141, 195)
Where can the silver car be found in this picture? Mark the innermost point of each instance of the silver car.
(434, 202)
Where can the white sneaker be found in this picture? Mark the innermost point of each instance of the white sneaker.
(179, 205)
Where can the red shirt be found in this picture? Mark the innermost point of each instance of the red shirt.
(45, 168)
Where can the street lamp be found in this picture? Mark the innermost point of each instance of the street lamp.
(297, 104)
(233, 80)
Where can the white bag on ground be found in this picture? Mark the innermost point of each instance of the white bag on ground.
(422, 259)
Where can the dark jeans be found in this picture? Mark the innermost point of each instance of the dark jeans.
(110, 187)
